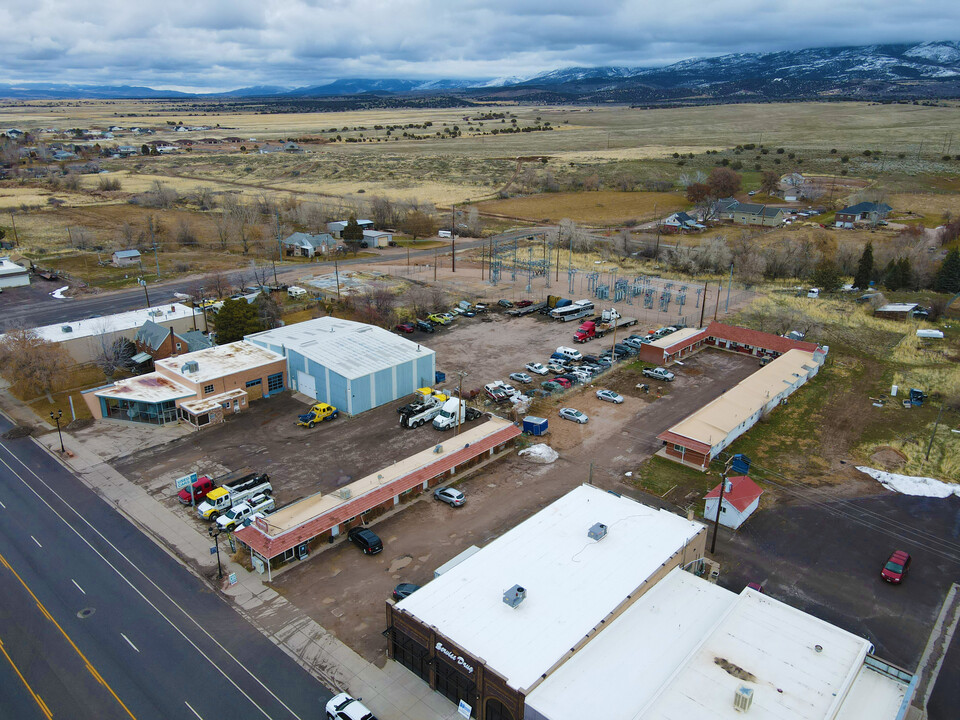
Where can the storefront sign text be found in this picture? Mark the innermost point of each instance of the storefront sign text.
(458, 659)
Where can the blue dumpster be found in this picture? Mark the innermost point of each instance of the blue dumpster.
(740, 464)
(535, 425)
(439, 377)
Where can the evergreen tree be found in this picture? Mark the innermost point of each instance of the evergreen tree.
(948, 276)
(826, 276)
(352, 234)
(898, 275)
(236, 319)
(864, 268)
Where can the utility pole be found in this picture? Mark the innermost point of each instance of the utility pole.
(453, 237)
(144, 284)
(436, 259)
(703, 305)
(726, 305)
(934, 432)
(203, 305)
(279, 248)
(717, 306)
(483, 249)
(13, 222)
(559, 241)
(336, 272)
(615, 317)
(462, 406)
(716, 520)
(656, 251)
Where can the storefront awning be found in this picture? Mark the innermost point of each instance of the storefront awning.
(139, 358)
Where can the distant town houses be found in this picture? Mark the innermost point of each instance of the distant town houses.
(301, 244)
(681, 222)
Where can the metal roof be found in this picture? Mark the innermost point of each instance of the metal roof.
(350, 349)
(127, 253)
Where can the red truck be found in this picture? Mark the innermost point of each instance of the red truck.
(600, 326)
(201, 487)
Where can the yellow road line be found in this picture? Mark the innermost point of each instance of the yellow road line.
(50, 617)
(43, 706)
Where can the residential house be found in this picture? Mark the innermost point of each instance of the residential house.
(724, 207)
(305, 245)
(755, 214)
(127, 151)
(336, 228)
(739, 502)
(291, 147)
(124, 258)
(158, 342)
(868, 212)
(680, 222)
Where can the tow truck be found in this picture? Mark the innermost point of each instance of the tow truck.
(317, 414)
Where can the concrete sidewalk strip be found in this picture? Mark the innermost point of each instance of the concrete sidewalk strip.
(393, 693)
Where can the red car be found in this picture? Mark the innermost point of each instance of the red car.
(562, 381)
(896, 567)
(405, 327)
(201, 487)
(524, 303)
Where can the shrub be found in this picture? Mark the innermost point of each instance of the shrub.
(845, 158)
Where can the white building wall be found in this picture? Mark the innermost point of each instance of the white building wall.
(14, 280)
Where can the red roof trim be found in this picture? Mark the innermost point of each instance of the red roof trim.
(757, 338)
(689, 443)
(270, 546)
(743, 492)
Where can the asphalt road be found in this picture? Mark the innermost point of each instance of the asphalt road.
(35, 307)
(96, 621)
(825, 558)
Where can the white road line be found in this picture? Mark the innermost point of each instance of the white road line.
(78, 586)
(192, 710)
(36, 541)
(128, 640)
(3, 506)
(149, 580)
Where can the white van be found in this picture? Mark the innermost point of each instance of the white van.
(444, 234)
(813, 293)
(569, 353)
(295, 291)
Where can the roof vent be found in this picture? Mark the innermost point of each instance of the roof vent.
(597, 531)
(66, 328)
(190, 366)
(514, 596)
(344, 493)
(743, 699)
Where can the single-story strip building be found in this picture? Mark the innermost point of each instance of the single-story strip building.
(700, 437)
(291, 531)
(198, 388)
(686, 341)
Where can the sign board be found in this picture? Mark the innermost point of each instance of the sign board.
(302, 551)
(261, 524)
(464, 709)
(232, 578)
(186, 480)
(213, 550)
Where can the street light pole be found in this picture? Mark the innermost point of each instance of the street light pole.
(56, 419)
(215, 534)
(144, 284)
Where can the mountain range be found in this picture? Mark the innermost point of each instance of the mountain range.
(929, 69)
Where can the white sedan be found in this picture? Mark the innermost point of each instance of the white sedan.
(345, 707)
(610, 396)
(573, 415)
(521, 377)
(536, 368)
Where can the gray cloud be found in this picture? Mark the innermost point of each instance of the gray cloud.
(222, 44)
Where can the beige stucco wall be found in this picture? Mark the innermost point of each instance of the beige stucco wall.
(85, 350)
(235, 380)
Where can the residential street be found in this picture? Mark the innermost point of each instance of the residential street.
(87, 596)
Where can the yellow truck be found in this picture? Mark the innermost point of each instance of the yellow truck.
(317, 414)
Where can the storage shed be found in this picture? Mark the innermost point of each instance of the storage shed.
(12, 275)
(353, 366)
(739, 502)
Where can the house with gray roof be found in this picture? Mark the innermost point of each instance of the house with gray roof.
(306, 245)
(123, 258)
(681, 222)
(756, 214)
(155, 342)
(336, 228)
(865, 212)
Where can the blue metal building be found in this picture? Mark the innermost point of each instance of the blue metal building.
(353, 366)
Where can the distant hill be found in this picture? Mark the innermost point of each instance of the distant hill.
(929, 69)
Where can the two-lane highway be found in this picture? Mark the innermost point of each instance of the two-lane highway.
(96, 621)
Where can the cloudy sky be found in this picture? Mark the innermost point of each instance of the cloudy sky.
(225, 44)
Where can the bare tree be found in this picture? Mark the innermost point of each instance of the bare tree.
(215, 284)
(222, 223)
(184, 234)
(113, 355)
(381, 211)
(32, 363)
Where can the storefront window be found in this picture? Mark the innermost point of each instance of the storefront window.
(455, 686)
(139, 411)
(411, 654)
(496, 710)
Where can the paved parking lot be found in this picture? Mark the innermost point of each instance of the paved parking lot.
(826, 558)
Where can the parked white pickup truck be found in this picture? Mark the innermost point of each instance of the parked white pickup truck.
(236, 515)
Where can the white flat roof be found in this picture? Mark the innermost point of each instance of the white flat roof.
(675, 338)
(684, 648)
(348, 348)
(897, 307)
(152, 387)
(219, 360)
(115, 323)
(572, 582)
(8, 267)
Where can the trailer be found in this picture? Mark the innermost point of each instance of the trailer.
(600, 325)
(520, 312)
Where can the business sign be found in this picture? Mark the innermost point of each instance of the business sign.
(464, 709)
(261, 524)
(458, 659)
(186, 480)
(232, 578)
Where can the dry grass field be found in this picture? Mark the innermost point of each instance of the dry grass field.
(604, 207)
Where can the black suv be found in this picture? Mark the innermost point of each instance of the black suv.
(366, 540)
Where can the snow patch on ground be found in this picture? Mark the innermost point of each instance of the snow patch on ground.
(539, 453)
(58, 293)
(910, 485)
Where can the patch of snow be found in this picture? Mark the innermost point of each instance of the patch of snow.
(181, 296)
(58, 293)
(911, 485)
(539, 453)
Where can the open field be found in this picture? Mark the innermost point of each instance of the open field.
(605, 207)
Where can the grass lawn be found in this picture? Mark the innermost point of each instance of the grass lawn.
(75, 379)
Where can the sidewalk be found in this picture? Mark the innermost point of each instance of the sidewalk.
(393, 693)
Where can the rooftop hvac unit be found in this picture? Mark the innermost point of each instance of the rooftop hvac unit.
(743, 699)
(191, 366)
(344, 493)
(514, 596)
(66, 328)
(597, 531)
